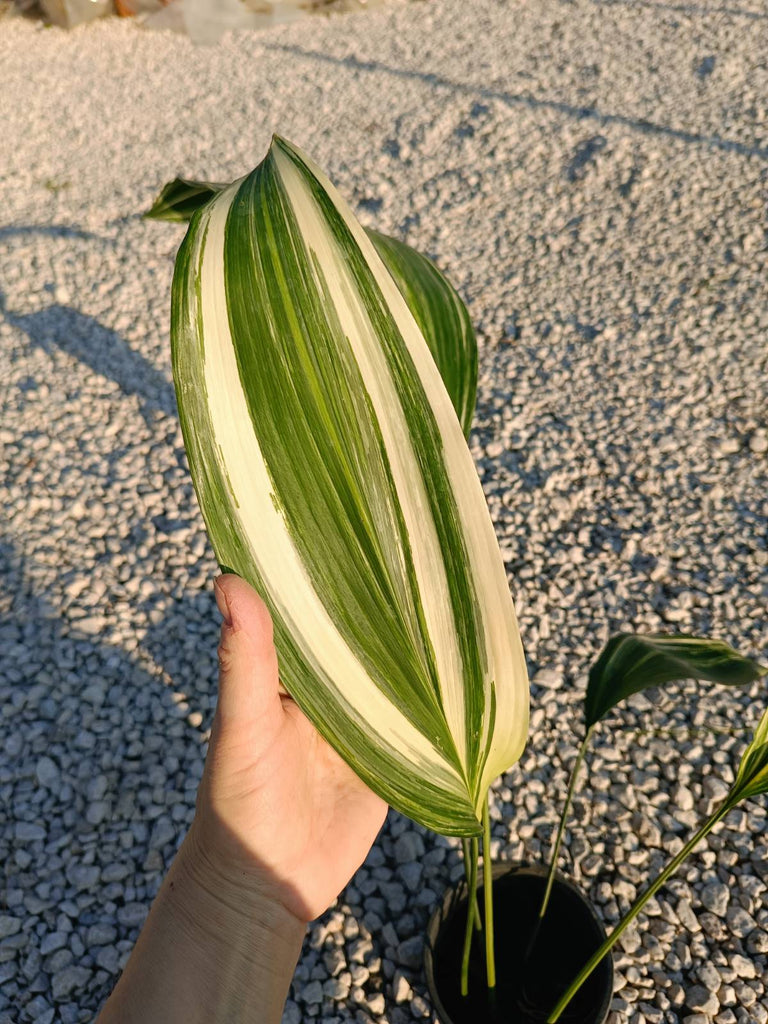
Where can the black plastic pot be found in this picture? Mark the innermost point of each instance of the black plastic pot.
(526, 989)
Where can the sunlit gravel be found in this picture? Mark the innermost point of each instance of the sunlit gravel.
(593, 176)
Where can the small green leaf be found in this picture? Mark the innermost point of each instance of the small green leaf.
(630, 663)
(180, 199)
(752, 777)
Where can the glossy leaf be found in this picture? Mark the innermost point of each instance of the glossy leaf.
(432, 299)
(333, 474)
(630, 663)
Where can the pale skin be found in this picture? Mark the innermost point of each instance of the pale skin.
(281, 825)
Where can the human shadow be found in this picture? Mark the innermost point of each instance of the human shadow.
(636, 124)
(99, 348)
(76, 689)
(28, 603)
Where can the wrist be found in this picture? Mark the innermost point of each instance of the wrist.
(208, 952)
(223, 903)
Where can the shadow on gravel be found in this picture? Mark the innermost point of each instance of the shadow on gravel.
(734, 12)
(85, 694)
(51, 230)
(641, 125)
(100, 349)
(47, 633)
(72, 664)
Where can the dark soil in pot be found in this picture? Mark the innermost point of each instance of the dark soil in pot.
(526, 991)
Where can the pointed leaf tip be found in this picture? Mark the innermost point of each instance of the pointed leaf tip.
(181, 198)
(752, 776)
(433, 301)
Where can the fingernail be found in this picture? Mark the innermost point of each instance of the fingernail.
(221, 601)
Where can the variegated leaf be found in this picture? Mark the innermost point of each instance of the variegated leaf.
(333, 474)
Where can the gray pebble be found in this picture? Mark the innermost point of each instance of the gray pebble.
(108, 959)
(715, 897)
(29, 832)
(409, 847)
(9, 925)
(744, 968)
(53, 941)
(291, 1013)
(97, 812)
(312, 993)
(163, 833)
(132, 915)
(83, 876)
(97, 787)
(409, 952)
(740, 922)
(48, 773)
(69, 981)
(411, 875)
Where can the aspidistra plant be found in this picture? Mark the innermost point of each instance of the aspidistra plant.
(333, 474)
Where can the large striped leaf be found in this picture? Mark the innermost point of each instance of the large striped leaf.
(632, 662)
(432, 299)
(333, 474)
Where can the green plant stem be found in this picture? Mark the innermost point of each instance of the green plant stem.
(561, 827)
(632, 913)
(490, 960)
(467, 850)
(471, 853)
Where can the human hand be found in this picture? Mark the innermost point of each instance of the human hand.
(281, 824)
(279, 814)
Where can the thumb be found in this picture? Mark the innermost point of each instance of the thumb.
(248, 677)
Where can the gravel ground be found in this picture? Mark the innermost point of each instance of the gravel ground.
(592, 175)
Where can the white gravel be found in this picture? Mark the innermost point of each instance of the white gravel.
(592, 176)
